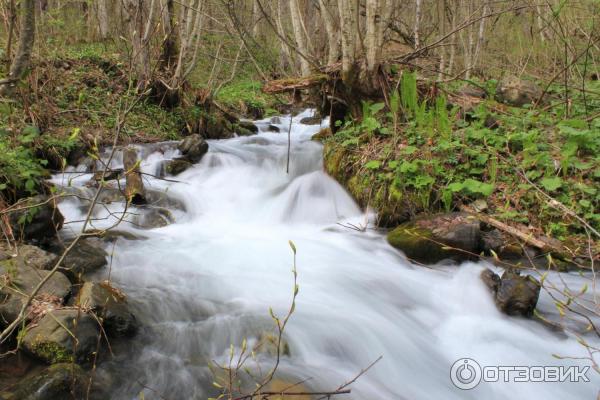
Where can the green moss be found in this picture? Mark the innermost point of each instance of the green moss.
(52, 352)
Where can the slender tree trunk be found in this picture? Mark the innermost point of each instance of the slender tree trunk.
(102, 12)
(417, 24)
(299, 36)
(333, 47)
(22, 60)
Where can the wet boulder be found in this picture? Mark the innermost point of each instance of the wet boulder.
(517, 92)
(85, 257)
(18, 283)
(154, 217)
(58, 381)
(193, 148)
(110, 305)
(66, 335)
(315, 120)
(36, 220)
(176, 166)
(432, 239)
(273, 128)
(134, 185)
(249, 126)
(514, 294)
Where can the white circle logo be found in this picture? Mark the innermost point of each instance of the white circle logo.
(465, 373)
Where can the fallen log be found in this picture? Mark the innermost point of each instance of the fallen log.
(293, 84)
(134, 186)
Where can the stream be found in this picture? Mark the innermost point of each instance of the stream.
(207, 280)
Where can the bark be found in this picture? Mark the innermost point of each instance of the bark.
(102, 11)
(22, 60)
(417, 23)
(299, 36)
(333, 36)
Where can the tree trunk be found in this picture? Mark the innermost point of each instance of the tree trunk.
(333, 46)
(22, 60)
(102, 11)
(299, 36)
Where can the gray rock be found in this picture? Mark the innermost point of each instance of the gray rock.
(274, 128)
(155, 217)
(248, 125)
(63, 336)
(37, 223)
(19, 282)
(87, 256)
(177, 166)
(110, 305)
(435, 238)
(517, 294)
(517, 92)
(57, 382)
(316, 120)
(35, 257)
(514, 294)
(193, 147)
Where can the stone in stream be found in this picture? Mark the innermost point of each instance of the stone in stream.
(85, 257)
(110, 305)
(432, 239)
(273, 128)
(56, 382)
(154, 217)
(67, 335)
(176, 166)
(517, 92)
(193, 148)
(35, 257)
(315, 120)
(41, 221)
(19, 281)
(134, 186)
(514, 294)
(249, 126)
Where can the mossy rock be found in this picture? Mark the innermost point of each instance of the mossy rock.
(333, 159)
(62, 336)
(429, 240)
(322, 135)
(85, 257)
(177, 166)
(110, 305)
(20, 280)
(57, 382)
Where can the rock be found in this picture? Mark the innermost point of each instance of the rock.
(424, 239)
(517, 294)
(113, 235)
(514, 294)
(273, 128)
(156, 217)
(37, 223)
(217, 128)
(86, 257)
(134, 186)
(110, 175)
(59, 381)
(248, 125)
(110, 305)
(33, 256)
(321, 135)
(19, 282)
(243, 131)
(473, 91)
(177, 166)
(276, 120)
(267, 344)
(316, 120)
(193, 148)
(50, 341)
(517, 92)
(491, 280)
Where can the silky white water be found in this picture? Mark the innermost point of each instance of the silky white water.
(208, 280)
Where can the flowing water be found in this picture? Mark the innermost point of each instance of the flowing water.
(208, 280)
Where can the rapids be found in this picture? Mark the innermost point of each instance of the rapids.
(208, 280)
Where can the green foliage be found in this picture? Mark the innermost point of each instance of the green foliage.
(20, 169)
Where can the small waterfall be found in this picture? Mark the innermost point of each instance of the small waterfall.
(208, 280)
